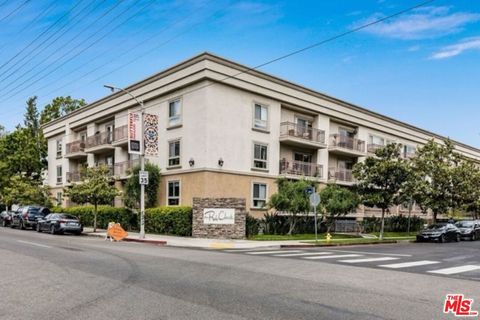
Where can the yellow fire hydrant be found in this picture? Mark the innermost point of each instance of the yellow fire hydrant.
(329, 237)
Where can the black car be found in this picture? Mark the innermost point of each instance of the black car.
(6, 218)
(469, 229)
(59, 223)
(26, 217)
(441, 232)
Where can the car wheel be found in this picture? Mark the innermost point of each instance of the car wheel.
(4, 223)
(441, 239)
(458, 238)
(21, 225)
(474, 237)
(38, 228)
(52, 229)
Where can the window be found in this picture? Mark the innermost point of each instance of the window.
(59, 148)
(174, 113)
(260, 156)
(174, 153)
(59, 174)
(260, 120)
(259, 196)
(409, 151)
(173, 196)
(59, 198)
(376, 140)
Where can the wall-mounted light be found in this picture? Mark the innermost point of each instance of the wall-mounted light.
(220, 162)
(191, 162)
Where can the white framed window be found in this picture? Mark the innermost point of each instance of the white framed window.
(260, 156)
(376, 140)
(173, 193)
(174, 153)
(59, 198)
(409, 150)
(259, 195)
(175, 112)
(260, 116)
(59, 148)
(59, 174)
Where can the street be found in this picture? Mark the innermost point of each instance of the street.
(58, 277)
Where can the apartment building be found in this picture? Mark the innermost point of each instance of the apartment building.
(227, 131)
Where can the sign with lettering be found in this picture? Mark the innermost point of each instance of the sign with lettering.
(117, 232)
(135, 136)
(143, 177)
(218, 216)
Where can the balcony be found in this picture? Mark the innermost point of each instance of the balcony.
(75, 176)
(120, 136)
(121, 169)
(75, 150)
(348, 146)
(372, 147)
(341, 176)
(300, 136)
(298, 169)
(100, 143)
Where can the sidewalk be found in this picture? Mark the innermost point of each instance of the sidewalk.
(198, 242)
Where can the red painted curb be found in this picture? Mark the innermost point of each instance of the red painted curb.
(159, 242)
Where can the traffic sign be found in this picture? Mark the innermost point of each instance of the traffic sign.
(143, 177)
(314, 199)
(309, 190)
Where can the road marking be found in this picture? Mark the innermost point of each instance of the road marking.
(301, 254)
(373, 253)
(456, 269)
(33, 244)
(333, 257)
(408, 264)
(369, 260)
(270, 252)
(244, 250)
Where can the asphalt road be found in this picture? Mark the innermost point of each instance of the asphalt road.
(60, 277)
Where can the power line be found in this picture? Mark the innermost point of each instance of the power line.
(41, 34)
(136, 46)
(15, 10)
(58, 49)
(77, 54)
(46, 43)
(316, 44)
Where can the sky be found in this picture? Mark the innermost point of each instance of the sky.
(422, 67)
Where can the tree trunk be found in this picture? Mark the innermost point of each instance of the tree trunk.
(434, 220)
(382, 226)
(95, 218)
(292, 225)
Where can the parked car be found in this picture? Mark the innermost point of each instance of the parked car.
(6, 218)
(59, 223)
(440, 232)
(469, 229)
(26, 217)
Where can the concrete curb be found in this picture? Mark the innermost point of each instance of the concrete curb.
(149, 241)
(337, 244)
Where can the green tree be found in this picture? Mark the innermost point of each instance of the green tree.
(291, 199)
(466, 187)
(336, 202)
(60, 106)
(381, 179)
(97, 188)
(434, 168)
(131, 195)
(24, 191)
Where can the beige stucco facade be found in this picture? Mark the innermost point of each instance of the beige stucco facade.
(224, 117)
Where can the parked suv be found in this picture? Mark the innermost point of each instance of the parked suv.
(27, 217)
(469, 229)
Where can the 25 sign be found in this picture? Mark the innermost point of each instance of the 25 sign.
(143, 177)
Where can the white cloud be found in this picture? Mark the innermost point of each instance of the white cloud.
(426, 22)
(457, 48)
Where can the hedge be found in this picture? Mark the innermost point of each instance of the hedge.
(159, 220)
(169, 220)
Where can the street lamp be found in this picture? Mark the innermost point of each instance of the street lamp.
(142, 158)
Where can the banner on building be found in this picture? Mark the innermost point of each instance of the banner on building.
(135, 145)
(150, 125)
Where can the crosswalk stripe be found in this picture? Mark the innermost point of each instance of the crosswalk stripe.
(408, 264)
(244, 250)
(302, 254)
(456, 269)
(333, 257)
(270, 252)
(369, 260)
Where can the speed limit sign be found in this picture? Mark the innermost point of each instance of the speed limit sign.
(143, 177)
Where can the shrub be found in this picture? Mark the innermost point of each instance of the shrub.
(106, 214)
(252, 226)
(169, 220)
(393, 224)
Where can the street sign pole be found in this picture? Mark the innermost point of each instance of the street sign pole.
(314, 201)
(316, 224)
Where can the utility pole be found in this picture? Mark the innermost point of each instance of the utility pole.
(142, 157)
